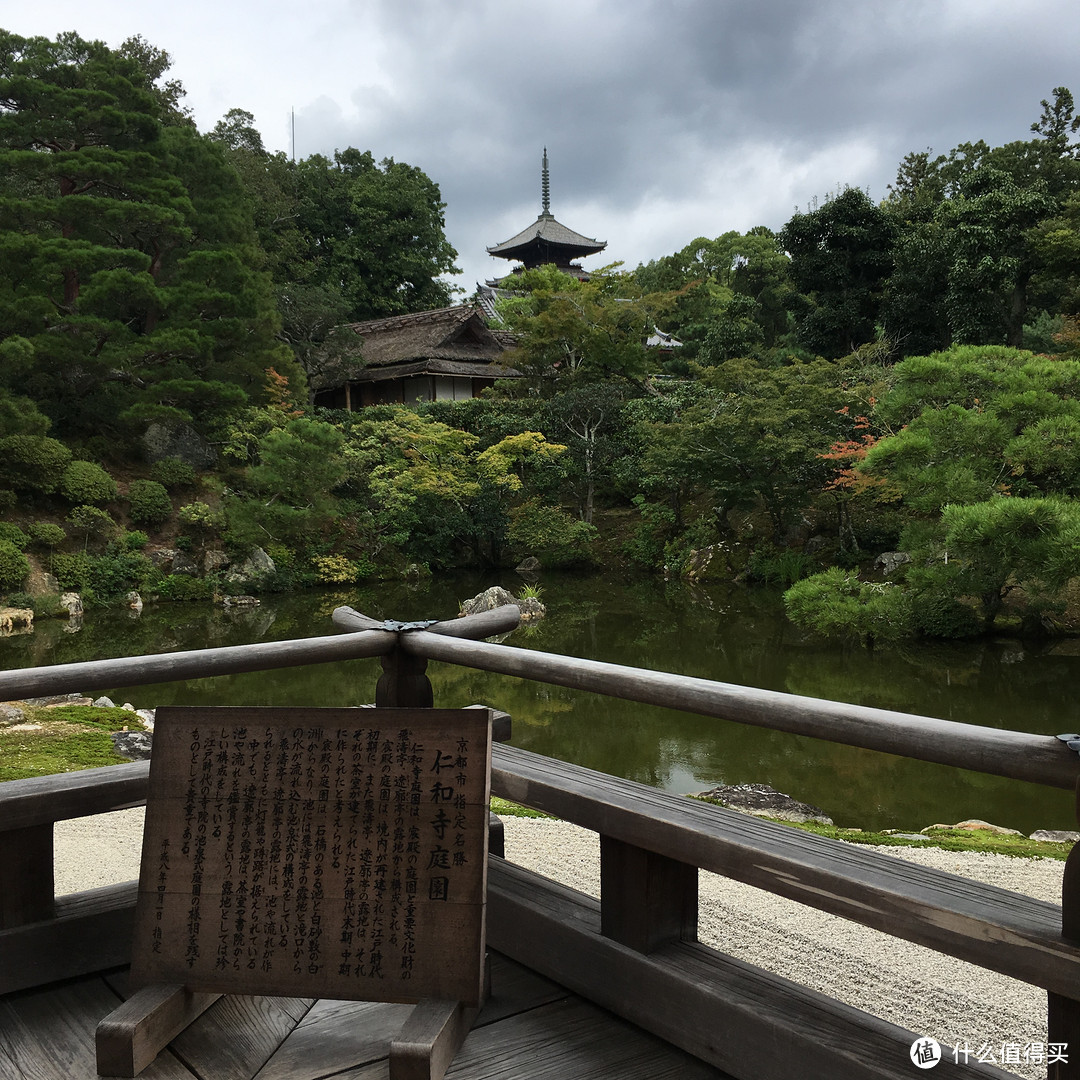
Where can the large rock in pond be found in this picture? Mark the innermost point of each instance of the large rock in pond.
(488, 600)
(764, 801)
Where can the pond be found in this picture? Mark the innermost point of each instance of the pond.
(726, 633)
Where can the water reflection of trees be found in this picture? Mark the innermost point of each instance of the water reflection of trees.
(725, 633)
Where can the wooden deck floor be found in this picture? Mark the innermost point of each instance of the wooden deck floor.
(530, 1029)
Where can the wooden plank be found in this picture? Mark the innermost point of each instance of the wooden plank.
(429, 1039)
(302, 853)
(567, 1040)
(646, 900)
(338, 1035)
(335, 1036)
(91, 932)
(733, 1015)
(27, 858)
(1063, 1013)
(191, 664)
(133, 1034)
(238, 1035)
(49, 1034)
(44, 799)
(1041, 759)
(994, 928)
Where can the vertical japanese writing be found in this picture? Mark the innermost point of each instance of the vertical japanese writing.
(306, 852)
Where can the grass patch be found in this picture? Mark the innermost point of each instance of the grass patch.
(61, 739)
(513, 809)
(978, 840)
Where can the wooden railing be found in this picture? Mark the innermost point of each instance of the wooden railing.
(635, 952)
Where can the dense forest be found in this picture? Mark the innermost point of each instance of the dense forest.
(877, 405)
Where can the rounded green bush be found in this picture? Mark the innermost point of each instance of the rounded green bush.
(172, 473)
(47, 534)
(13, 567)
(150, 502)
(86, 484)
(14, 535)
(32, 462)
(72, 570)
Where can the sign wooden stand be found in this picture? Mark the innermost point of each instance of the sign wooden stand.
(334, 853)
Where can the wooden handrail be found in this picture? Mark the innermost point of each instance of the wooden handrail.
(1040, 759)
(40, 800)
(192, 664)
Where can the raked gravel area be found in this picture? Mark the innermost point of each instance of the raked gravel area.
(918, 989)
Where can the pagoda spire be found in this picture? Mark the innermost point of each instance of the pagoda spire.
(545, 186)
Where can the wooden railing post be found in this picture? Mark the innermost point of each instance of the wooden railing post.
(404, 683)
(1063, 1013)
(646, 900)
(27, 858)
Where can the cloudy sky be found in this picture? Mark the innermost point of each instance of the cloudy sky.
(664, 121)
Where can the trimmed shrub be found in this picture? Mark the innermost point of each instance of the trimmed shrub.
(111, 576)
(72, 570)
(92, 520)
(14, 535)
(183, 587)
(334, 569)
(13, 566)
(46, 534)
(198, 515)
(86, 484)
(33, 462)
(135, 540)
(551, 534)
(171, 472)
(150, 502)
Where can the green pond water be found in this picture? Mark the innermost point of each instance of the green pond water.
(728, 634)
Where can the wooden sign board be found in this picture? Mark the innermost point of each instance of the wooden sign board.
(337, 853)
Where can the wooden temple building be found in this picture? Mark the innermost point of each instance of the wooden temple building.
(442, 355)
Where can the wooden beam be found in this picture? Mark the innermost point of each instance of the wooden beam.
(39, 800)
(194, 664)
(90, 931)
(27, 858)
(1063, 1013)
(403, 683)
(1041, 759)
(430, 1038)
(996, 929)
(131, 1036)
(646, 900)
(500, 620)
(739, 1018)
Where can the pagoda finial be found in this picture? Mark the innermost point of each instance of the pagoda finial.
(545, 186)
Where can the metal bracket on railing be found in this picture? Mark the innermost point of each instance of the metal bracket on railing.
(423, 624)
(1071, 741)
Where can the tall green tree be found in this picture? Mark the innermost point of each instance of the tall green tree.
(841, 256)
(126, 258)
(570, 331)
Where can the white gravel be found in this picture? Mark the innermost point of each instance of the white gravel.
(905, 984)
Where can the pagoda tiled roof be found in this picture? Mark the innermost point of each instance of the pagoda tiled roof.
(547, 230)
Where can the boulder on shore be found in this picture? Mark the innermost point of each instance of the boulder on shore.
(134, 745)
